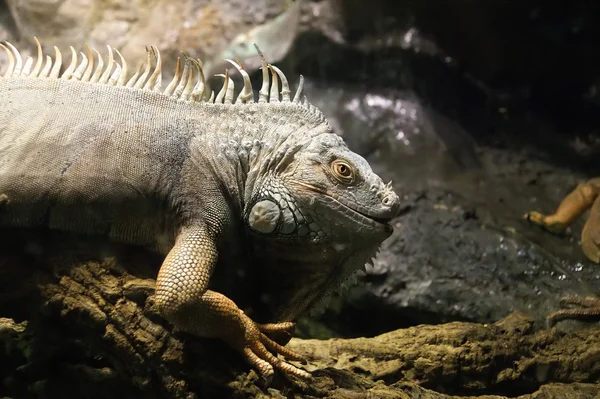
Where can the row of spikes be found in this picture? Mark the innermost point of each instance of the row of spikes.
(184, 84)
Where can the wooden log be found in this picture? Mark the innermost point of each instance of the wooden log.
(78, 321)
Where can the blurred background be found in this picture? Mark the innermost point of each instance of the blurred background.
(478, 112)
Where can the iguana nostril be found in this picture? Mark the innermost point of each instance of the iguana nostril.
(390, 200)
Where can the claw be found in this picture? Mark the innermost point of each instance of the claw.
(258, 347)
(265, 370)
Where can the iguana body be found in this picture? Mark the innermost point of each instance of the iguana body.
(210, 184)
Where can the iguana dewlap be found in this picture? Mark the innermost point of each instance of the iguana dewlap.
(92, 150)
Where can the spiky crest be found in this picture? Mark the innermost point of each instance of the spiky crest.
(188, 84)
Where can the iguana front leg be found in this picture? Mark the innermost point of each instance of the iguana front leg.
(586, 195)
(574, 204)
(183, 298)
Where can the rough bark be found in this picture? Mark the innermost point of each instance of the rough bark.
(79, 322)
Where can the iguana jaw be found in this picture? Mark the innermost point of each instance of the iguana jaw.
(376, 220)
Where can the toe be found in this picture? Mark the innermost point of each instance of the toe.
(280, 349)
(286, 326)
(264, 367)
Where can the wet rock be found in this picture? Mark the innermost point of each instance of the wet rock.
(476, 123)
(460, 250)
(535, 54)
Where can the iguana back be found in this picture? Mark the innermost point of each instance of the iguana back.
(108, 155)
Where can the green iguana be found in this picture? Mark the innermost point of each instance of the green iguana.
(211, 181)
(586, 196)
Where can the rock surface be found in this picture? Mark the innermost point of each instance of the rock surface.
(205, 29)
(476, 125)
(460, 250)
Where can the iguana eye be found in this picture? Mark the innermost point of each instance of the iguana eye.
(343, 171)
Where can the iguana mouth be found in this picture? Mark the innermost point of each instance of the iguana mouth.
(379, 220)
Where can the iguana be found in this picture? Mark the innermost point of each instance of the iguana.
(213, 182)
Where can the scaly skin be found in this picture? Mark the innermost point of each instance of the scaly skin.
(211, 184)
(584, 197)
(588, 308)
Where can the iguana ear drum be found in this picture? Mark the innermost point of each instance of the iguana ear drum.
(264, 216)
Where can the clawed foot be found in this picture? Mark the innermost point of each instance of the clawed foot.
(259, 349)
(545, 221)
(589, 308)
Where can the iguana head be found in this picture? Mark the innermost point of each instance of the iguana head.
(315, 210)
(321, 192)
(315, 218)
